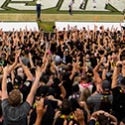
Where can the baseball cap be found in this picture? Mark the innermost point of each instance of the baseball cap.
(106, 85)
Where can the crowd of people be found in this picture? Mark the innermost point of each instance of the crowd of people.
(68, 77)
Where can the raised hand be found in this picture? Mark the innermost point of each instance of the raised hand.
(40, 108)
(66, 122)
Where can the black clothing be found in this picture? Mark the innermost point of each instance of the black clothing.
(118, 104)
(38, 9)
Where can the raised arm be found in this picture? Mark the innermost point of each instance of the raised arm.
(97, 78)
(11, 67)
(35, 85)
(6, 71)
(26, 71)
(79, 115)
(31, 61)
(117, 69)
(63, 91)
(4, 82)
(40, 110)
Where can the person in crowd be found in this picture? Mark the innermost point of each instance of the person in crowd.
(118, 88)
(101, 100)
(15, 111)
(102, 118)
(40, 110)
(71, 6)
(71, 112)
(38, 9)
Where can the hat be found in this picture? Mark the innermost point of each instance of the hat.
(106, 85)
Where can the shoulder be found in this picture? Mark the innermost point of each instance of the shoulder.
(26, 106)
(94, 97)
(4, 103)
(116, 90)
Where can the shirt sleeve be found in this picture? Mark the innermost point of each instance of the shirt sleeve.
(26, 107)
(4, 103)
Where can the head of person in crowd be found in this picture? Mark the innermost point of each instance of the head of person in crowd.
(57, 59)
(42, 91)
(75, 104)
(18, 81)
(85, 78)
(67, 112)
(106, 86)
(105, 101)
(87, 60)
(122, 55)
(15, 97)
(20, 72)
(10, 58)
(101, 117)
(103, 120)
(75, 92)
(20, 77)
(3, 59)
(66, 107)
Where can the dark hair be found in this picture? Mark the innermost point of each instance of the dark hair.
(103, 120)
(123, 81)
(106, 85)
(101, 52)
(42, 91)
(122, 55)
(66, 107)
(75, 104)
